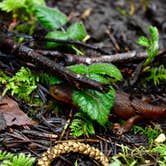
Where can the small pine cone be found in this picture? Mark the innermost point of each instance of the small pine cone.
(70, 146)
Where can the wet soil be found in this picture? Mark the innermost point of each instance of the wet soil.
(106, 16)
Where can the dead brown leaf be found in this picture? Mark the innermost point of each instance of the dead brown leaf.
(11, 114)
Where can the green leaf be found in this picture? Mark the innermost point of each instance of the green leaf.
(10, 5)
(54, 80)
(23, 83)
(143, 41)
(81, 125)
(80, 68)
(38, 2)
(99, 78)
(115, 163)
(74, 32)
(153, 33)
(96, 104)
(98, 71)
(50, 18)
(157, 74)
(152, 44)
(56, 35)
(77, 31)
(106, 69)
(9, 159)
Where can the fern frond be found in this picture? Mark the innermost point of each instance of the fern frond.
(157, 74)
(5, 155)
(82, 125)
(8, 159)
(23, 160)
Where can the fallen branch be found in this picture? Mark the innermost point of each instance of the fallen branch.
(71, 59)
(116, 58)
(29, 55)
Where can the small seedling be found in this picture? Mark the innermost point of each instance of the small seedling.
(54, 20)
(157, 74)
(152, 44)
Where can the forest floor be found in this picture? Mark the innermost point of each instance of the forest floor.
(113, 26)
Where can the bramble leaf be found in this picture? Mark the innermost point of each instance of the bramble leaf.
(56, 35)
(77, 31)
(80, 68)
(100, 69)
(99, 78)
(50, 18)
(96, 104)
(74, 32)
(106, 69)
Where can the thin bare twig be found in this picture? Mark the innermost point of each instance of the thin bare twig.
(71, 59)
(116, 58)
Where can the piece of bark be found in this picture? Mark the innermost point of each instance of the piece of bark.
(11, 114)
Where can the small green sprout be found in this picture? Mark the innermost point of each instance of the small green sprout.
(152, 44)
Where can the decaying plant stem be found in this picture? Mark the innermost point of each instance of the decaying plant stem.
(29, 55)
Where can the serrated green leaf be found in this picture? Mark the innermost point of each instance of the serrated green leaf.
(56, 35)
(96, 104)
(97, 71)
(80, 68)
(99, 78)
(106, 69)
(77, 31)
(74, 32)
(9, 5)
(50, 18)
(143, 41)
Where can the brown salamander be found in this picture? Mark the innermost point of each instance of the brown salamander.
(125, 108)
